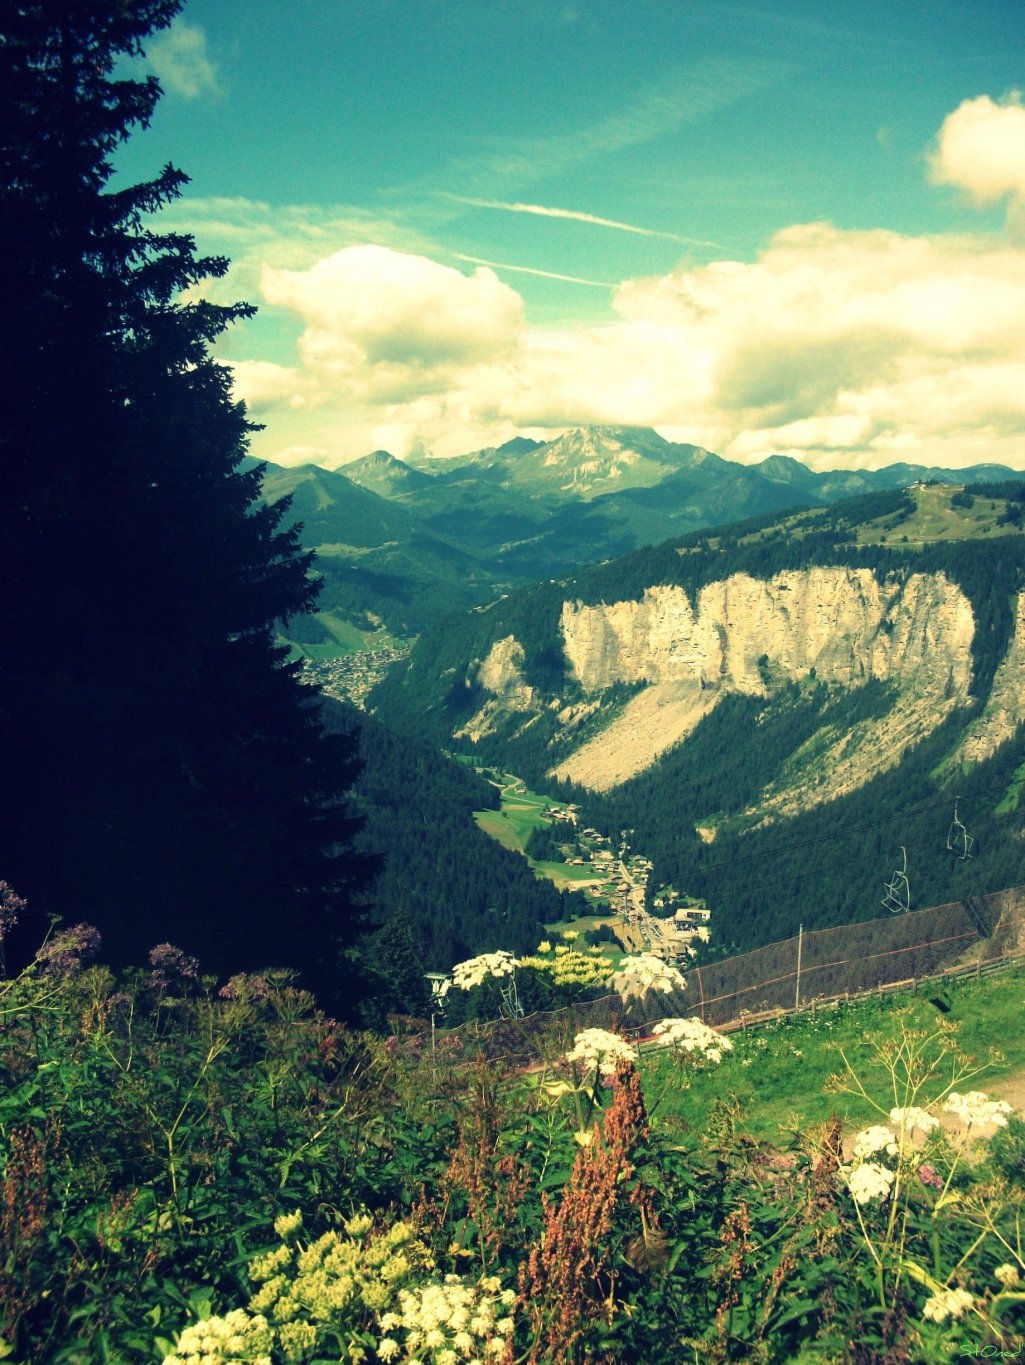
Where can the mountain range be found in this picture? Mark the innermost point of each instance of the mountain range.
(402, 542)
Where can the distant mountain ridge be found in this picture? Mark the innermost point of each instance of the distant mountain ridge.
(403, 541)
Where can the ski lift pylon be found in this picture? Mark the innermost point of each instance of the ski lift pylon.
(898, 890)
(959, 841)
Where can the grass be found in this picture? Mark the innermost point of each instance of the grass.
(522, 812)
(934, 519)
(777, 1074)
(564, 874)
(346, 638)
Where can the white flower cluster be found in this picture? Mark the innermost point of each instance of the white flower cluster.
(235, 1339)
(476, 970)
(948, 1303)
(599, 1049)
(691, 1035)
(449, 1322)
(646, 972)
(868, 1181)
(912, 1119)
(974, 1109)
(1008, 1274)
(875, 1139)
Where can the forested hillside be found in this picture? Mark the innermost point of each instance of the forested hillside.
(450, 889)
(699, 812)
(437, 687)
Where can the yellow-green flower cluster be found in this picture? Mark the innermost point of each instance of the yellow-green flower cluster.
(353, 1288)
(568, 966)
(450, 1322)
(336, 1286)
(337, 1279)
(235, 1339)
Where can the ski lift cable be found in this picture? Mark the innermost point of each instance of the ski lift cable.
(842, 832)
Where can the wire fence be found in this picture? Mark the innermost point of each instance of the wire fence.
(796, 973)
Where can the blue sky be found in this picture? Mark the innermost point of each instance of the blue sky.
(763, 227)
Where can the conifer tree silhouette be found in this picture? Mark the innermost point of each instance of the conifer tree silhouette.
(165, 774)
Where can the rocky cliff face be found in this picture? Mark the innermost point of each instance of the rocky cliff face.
(842, 626)
(747, 635)
(1005, 709)
(751, 636)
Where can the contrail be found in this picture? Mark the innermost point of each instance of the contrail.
(543, 211)
(530, 270)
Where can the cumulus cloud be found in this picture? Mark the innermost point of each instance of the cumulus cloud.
(842, 347)
(263, 385)
(181, 62)
(981, 149)
(385, 324)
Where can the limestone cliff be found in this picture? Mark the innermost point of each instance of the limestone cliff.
(750, 635)
(840, 625)
(1005, 709)
(500, 673)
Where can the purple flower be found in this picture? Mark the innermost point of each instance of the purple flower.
(64, 954)
(172, 968)
(11, 906)
(245, 986)
(928, 1175)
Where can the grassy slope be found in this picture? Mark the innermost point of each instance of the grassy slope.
(934, 519)
(778, 1073)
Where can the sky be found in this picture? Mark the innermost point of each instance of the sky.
(760, 226)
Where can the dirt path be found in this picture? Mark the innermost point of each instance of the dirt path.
(1010, 1088)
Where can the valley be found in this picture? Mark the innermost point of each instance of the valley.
(754, 699)
(608, 875)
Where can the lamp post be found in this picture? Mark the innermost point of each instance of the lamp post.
(439, 984)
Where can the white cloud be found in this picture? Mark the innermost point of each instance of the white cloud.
(845, 347)
(180, 60)
(384, 324)
(264, 385)
(981, 149)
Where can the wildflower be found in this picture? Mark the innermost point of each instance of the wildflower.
(646, 972)
(64, 954)
(359, 1226)
(875, 1139)
(693, 1036)
(928, 1175)
(172, 967)
(948, 1303)
(974, 1108)
(912, 1119)
(868, 1181)
(209, 1340)
(596, 1047)
(288, 1223)
(297, 1339)
(476, 970)
(11, 906)
(245, 986)
(544, 946)
(1007, 1274)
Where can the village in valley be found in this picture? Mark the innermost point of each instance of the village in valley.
(611, 878)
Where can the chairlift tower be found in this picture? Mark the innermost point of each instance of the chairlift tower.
(898, 890)
(959, 841)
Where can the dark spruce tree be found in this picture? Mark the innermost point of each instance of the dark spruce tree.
(165, 775)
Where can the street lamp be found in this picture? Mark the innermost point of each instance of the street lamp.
(439, 984)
